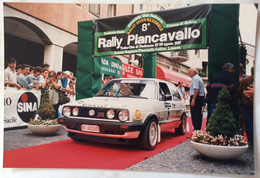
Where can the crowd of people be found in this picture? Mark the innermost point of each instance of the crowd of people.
(40, 78)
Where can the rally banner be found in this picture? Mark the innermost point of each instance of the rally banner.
(166, 30)
(111, 66)
(129, 71)
(20, 106)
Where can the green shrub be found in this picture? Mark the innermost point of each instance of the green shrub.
(45, 110)
(222, 121)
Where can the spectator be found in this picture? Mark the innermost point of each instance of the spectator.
(71, 75)
(110, 78)
(21, 78)
(53, 85)
(72, 93)
(181, 90)
(65, 81)
(10, 77)
(196, 98)
(242, 74)
(35, 77)
(46, 66)
(74, 80)
(44, 76)
(105, 81)
(219, 81)
(18, 69)
(248, 104)
(250, 92)
(31, 70)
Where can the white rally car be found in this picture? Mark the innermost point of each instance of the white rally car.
(127, 111)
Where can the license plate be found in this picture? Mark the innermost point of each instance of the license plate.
(90, 128)
(100, 114)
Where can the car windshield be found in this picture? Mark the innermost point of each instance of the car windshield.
(129, 88)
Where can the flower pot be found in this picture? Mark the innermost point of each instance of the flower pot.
(44, 129)
(219, 152)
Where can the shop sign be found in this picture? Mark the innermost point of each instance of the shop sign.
(129, 71)
(152, 32)
(111, 66)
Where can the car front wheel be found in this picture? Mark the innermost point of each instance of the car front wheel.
(150, 136)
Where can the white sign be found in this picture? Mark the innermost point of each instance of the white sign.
(20, 106)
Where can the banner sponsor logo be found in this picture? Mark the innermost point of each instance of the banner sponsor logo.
(111, 66)
(129, 71)
(151, 32)
(27, 106)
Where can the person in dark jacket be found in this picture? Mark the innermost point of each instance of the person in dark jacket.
(219, 81)
(248, 104)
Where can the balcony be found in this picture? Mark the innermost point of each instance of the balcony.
(180, 56)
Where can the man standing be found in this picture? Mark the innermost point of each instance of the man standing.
(10, 76)
(181, 90)
(196, 98)
(21, 79)
(219, 81)
(248, 104)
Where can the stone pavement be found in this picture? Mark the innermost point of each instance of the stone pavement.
(181, 158)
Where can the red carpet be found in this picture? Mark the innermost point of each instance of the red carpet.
(90, 155)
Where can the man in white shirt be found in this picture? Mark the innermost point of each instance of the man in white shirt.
(10, 77)
(196, 98)
(44, 75)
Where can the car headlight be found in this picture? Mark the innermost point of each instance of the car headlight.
(91, 112)
(66, 111)
(123, 115)
(75, 111)
(110, 114)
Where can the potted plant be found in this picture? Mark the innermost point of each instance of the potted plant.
(221, 141)
(45, 123)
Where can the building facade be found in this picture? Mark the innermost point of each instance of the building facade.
(38, 33)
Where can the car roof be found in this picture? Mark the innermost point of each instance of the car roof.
(149, 79)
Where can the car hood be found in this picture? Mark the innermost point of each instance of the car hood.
(109, 102)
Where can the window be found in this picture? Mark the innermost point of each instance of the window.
(79, 5)
(164, 92)
(175, 93)
(111, 10)
(141, 7)
(94, 9)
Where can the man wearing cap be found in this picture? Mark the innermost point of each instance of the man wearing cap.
(219, 81)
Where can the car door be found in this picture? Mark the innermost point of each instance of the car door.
(177, 102)
(165, 100)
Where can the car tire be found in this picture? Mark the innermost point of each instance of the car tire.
(181, 130)
(150, 135)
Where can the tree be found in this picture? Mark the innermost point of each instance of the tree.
(222, 121)
(45, 110)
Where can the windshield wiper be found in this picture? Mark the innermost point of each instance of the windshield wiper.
(134, 96)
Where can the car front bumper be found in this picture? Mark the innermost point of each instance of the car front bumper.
(107, 129)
